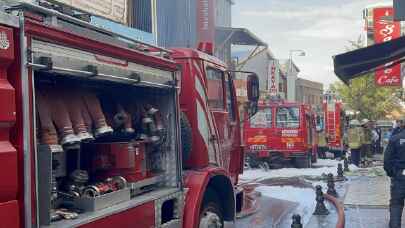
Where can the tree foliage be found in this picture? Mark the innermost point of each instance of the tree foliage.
(372, 101)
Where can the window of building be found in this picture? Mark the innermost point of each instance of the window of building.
(141, 13)
(215, 88)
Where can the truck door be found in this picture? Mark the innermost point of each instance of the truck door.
(218, 102)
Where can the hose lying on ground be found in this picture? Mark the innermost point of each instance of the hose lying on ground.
(340, 209)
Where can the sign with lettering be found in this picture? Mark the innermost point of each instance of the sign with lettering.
(272, 79)
(115, 10)
(385, 29)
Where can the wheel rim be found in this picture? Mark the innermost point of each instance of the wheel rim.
(210, 220)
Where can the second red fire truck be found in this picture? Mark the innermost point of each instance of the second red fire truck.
(279, 132)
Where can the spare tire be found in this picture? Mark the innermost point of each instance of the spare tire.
(186, 137)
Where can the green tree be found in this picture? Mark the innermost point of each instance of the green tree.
(362, 94)
(373, 102)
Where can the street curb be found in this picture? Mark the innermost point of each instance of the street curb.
(340, 209)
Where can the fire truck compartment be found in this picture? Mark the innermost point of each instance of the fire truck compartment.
(107, 140)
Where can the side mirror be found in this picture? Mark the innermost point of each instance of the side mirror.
(253, 89)
(253, 94)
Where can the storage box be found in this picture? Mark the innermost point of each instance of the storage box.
(103, 201)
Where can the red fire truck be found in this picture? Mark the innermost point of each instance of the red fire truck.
(334, 122)
(95, 128)
(281, 131)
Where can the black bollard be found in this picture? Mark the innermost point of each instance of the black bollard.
(346, 165)
(320, 208)
(331, 186)
(340, 176)
(296, 221)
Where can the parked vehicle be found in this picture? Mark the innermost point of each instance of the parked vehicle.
(95, 128)
(280, 132)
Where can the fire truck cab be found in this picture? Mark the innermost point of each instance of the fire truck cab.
(281, 131)
(99, 130)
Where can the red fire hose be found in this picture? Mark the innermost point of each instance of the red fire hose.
(340, 209)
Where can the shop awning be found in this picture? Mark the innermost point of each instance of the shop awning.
(237, 36)
(355, 63)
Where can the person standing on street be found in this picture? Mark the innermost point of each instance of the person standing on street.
(397, 129)
(322, 145)
(394, 166)
(367, 140)
(355, 135)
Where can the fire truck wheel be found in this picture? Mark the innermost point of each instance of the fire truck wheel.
(211, 214)
(186, 136)
(314, 158)
(303, 162)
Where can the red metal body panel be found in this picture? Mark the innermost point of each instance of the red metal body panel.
(196, 182)
(8, 154)
(142, 216)
(9, 185)
(9, 215)
(288, 142)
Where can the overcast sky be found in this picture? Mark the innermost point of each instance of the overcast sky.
(320, 27)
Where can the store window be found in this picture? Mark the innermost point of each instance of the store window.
(288, 117)
(215, 88)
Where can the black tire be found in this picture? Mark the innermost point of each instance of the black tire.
(303, 162)
(314, 157)
(186, 137)
(211, 204)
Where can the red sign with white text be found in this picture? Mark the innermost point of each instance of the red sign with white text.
(385, 29)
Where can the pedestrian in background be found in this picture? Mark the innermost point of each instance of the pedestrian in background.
(366, 153)
(322, 144)
(355, 135)
(396, 129)
(394, 166)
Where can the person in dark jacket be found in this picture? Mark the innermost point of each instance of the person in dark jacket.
(394, 166)
(396, 129)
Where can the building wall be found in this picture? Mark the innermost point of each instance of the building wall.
(223, 13)
(223, 18)
(260, 65)
(291, 72)
(309, 92)
(177, 23)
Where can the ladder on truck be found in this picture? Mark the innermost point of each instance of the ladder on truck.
(331, 122)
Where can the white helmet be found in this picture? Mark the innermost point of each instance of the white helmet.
(354, 123)
(364, 121)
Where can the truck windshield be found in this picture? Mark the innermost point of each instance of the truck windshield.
(288, 117)
(262, 119)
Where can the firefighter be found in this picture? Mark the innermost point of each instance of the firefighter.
(367, 139)
(394, 166)
(355, 135)
(322, 145)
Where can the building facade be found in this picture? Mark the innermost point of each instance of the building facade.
(291, 71)
(309, 92)
(271, 77)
